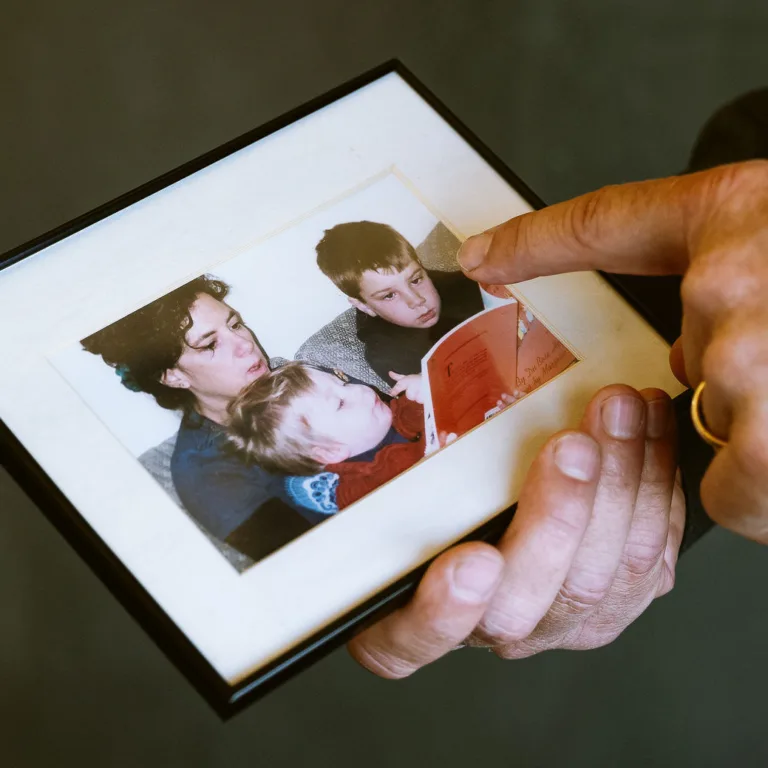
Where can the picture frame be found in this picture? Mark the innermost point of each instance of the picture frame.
(225, 696)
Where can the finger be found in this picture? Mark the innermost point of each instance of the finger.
(696, 332)
(446, 438)
(633, 229)
(446, 606)
(552, 515)
(643, 557)
(734, 490)
(735, 367)
(677, 362)
(396, 376)
(648, 561)
(674, 536)
(399, 388)
(615, 418)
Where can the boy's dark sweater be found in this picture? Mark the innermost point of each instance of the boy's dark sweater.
(390, 347)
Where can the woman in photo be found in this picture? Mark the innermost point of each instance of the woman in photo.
(192, 353)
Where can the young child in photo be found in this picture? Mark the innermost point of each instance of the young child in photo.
(402, 308)
(299, 420)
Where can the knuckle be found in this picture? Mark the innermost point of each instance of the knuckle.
(750, 450)
(576, 599)
(736, 285)
(666, 583)
(641, 558)
(436, 629)
(586, 215)
(737, 358)
(718, 359)
(727, 186)
(566, 523)
(705, 286)
(742, 178)
(718, 282)
(595, 639)
(718, 289)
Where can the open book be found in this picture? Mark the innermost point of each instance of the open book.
(486, 363)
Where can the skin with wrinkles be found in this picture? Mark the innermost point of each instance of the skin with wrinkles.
(601, 513)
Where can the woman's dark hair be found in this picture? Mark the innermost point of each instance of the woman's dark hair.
(143, 345)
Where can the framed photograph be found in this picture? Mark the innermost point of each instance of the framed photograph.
(259, 396)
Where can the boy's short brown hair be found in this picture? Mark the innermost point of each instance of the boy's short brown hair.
(348, 250)
(265, 426)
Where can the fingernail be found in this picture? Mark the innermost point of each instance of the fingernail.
(623, 416)
(578, 457)
(473, 250)
(656, 420)
(474, 578)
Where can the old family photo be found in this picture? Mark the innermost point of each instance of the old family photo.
(304, 372)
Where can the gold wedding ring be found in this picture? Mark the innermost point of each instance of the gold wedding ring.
(697, 417)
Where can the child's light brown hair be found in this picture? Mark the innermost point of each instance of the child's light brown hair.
(264, 424)
(348, 250)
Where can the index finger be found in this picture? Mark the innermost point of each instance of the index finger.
(641, 228)
(398, 388)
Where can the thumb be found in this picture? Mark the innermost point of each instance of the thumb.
(396, 376)
(638, 228)
(447, 605)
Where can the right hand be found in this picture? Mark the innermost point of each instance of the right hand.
(506, 399)
(712, 228)
(412, 385)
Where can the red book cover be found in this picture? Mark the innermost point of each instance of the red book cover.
(470, 369)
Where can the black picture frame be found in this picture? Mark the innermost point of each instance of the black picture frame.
(227, 700)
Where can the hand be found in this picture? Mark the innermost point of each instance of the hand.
(594, 541)
(446, 438)
(506, 399)
(712, 228)
(411, 384)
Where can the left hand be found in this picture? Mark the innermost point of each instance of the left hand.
(506, 399)
(446, 438)
(411, 384)
(593, 543)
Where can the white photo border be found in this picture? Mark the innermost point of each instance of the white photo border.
(241, 625)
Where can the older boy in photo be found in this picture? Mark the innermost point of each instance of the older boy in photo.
(300, 420)
(402, 308)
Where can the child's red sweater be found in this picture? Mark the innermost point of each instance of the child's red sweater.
(358, 478)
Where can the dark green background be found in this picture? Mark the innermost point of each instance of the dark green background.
(96, 98)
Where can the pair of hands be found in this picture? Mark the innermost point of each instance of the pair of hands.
(600, 517)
